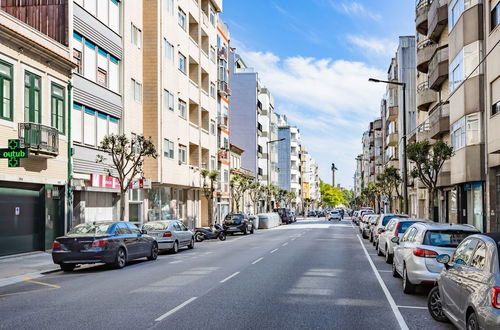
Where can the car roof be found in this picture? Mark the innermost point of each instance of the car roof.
(446, 226)
(493, 236)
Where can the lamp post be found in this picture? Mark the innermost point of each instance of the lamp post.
(405, 172)
(269, 159)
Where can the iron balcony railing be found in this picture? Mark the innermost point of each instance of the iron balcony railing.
(39, 138)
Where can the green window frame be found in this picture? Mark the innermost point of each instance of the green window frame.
(6, 91)
(32, 98)
(58, 116)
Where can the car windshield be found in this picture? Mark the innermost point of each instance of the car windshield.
(155, 225)
(445, 238)
(234, 217)
(89, 229)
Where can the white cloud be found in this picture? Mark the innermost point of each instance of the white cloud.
(374, 46)
(356, 9)
(330, 100)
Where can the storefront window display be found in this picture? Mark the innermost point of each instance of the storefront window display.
(166, 203)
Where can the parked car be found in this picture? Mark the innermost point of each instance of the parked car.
(360, 215)
(396, 227)
(112, 243)
(468, 289)
(311, 214)
(170, 234)
(238, 222)
(367, 222)
(415, 254)
(335, 215)
(293, 216)
(321, 213)
(382, 221)
(284, 215)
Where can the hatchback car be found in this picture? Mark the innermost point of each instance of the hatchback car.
(468, 289)
(395, 228)
(238, 222)
(364, 224)
(382, 221)
(415, 254)
(112, 243)
(334, 215)
(170, 234)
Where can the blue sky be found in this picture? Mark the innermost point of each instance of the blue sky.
(316, 57)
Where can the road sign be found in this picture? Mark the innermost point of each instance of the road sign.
(14, 153)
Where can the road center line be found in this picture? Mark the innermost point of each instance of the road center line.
(274, 250)
(172, 311)
(413, 307)
(284, 244)
(229, 277)
(390, 299)
(256, 261)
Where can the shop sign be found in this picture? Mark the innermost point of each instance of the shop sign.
(140, 184)
(104, 181)
(14, 153)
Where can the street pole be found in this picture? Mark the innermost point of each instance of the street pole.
(405, 160)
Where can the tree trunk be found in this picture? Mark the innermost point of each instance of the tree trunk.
(123, 194)
(431, 205)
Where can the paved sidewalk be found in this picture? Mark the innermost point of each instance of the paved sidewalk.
(14, 269)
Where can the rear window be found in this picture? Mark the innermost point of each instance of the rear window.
(404, 225)
(445, 238)
(234, 217)
(155, 225)
(89, 229)
(388, 218)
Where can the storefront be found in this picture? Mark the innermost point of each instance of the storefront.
(165, 203)
(471, 204)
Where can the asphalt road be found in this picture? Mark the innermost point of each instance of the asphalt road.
(313, 274)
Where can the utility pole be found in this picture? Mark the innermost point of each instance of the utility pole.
(333, 174)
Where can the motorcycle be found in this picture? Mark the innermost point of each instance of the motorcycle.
(202, 234)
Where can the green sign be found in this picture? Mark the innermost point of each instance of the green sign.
(14, 153)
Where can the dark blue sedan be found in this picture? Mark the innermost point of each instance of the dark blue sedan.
(112, 243)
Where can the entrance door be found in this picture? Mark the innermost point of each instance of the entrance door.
(475, 206)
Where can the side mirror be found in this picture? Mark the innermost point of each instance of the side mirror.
(185, 229)
(143, 231)
(395, 240)
(444, 259)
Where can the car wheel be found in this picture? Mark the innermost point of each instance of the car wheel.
(408, 287)
(199, 237)
(175, 248)
(120, 259)
(394, 270)
(371, 238)
(379, 252)
(154, 252)
(472, 323)
(191, 244)
(388, 256)
(245, 232)
(67, 267)
(434, 305)
(251, 231)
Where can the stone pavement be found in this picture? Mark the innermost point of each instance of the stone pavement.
(15, 268)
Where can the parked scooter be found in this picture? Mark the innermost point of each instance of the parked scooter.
(202, 234)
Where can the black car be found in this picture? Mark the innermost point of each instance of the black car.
(112, 243)
(285, 215)
(238, 222)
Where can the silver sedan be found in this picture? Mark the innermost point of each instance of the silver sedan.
(170, 234)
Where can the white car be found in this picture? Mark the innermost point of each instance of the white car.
(334, 215)
(395, 228)
(415, 254)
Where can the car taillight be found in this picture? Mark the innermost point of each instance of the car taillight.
(56, 245)
(99, 243)
(167, 234)
(495, 297)
(397, 229)
(424, 253)
(379, 231)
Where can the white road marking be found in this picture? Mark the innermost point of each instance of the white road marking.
(229, 277)
(293, 239)
(172, 311)
(385, 271)
(413, 307)
(284, 244)
(390, 299)
(176, 262)
(256, 261)
(274, 250)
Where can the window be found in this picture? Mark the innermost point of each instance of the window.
(6, 91)
(90, 61)
(456, 9)
(137, 90)
(168, 149)
(495, 108)
(212, 127)
(169, 50)
(182, 63)
(212, 17)
(76, 123)
(182, 19)
(168, 100)
(114, 15)
(479, 258)
(182, 154)
(495, 16)
(169, 6)
(213, 57)
(182, 109)
(465, 64)
(463, 253)
(32, 98)
(212, 89)
(57, 108)
(102, 77)
(90, 126)
(107, 11)
(466, 131)
(135, 35)
(77, 57)
(213, 163)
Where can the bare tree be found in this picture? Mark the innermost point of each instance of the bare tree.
(208, 191)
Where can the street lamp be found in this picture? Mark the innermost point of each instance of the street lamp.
(405, 174)
(269, 160)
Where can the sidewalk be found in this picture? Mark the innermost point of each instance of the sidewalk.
(15, 268)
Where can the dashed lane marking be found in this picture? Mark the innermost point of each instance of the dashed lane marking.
(229, 277)
(413, 307)
(172, 311)
(284, 244)
(256, 261)
(274, 250)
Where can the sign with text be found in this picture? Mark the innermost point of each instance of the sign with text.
(140, 184)
(104, 181)
(14, 153)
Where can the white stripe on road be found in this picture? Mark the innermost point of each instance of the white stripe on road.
(176, 262)
(256, 261)
(390, 299)
(284, 244)
(229, 277)
(172, 311)
(413, 307)
(274, 250)
(385, 271)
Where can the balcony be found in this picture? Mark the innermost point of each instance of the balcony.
(392, 139)
(223, 121)
(223, 88)
(423, 132)
(223, 155)
(438, 19)
(40, 139)
(438, 69)
(439, 121)
(222, 53)
(425, 96)
(421, 11)
(392, 113)
(377, 124)
(425, 49)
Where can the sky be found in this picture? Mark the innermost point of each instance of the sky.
(316, 56)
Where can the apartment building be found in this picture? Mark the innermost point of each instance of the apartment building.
(391, 119)
(309, 178)
(240, 203)
(289, 160)
(180, 104)
(35, 93)
(223, 111)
